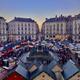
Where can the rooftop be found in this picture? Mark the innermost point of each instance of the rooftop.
(23, 19)
(59, 19)
(41, 69)
(2, 18)
(69, 69)
(62, 18)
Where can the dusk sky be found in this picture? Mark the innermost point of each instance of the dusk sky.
(38, 9)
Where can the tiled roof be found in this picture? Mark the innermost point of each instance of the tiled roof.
(52, 64)
(69, 69)
(22, 71)
(58, 19)
(43, 69)
(63, 18)
(77, 16)
(2, 18)
(23, 19)
(33, 63)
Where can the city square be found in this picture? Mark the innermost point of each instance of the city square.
(40, 40)
(41, 55)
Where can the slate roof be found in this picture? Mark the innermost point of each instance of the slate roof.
(2, 18)
(69, 69)
(22, 71)
(52, 64)
(58, 19)
(23, 19)
(63, 18)
(43, 69)
(77, 16)
(31, 64)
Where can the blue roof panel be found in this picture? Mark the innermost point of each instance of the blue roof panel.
(69, 69)
(52, 64)
(43, 69)
(22, 71)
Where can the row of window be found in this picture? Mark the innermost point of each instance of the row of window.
(25, 32)
(55, 30)
(22, 24)
(2, 23)
(54, 25)
(22, 28)
(3, 38)
(3, 32)
(55, 33)
(23, 37)
(51, 36)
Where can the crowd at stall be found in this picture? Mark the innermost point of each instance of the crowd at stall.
(10, 52)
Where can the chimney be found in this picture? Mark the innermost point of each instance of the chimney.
(14, 17)
(56, 16)
(61, 15)
(46, 19)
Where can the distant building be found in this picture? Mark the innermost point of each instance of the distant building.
(3, 30)
(22, 29)
(69, 26)
(26, 28)
(76, 27)
(54, 26)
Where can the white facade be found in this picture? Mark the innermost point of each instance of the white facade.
(24, 29)
(3, 30)
(51, 29)
(76, 29)
(62, 26)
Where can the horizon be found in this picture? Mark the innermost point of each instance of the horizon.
(38, 10)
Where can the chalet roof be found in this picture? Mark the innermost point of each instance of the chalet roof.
(41, 69)
(69, 69)
(52, 64)
(22, 71)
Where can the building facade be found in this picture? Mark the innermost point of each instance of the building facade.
(22, 29)
(62, 26)
(54, 26)
(26, 28)
(76, 27)
(3, 30)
